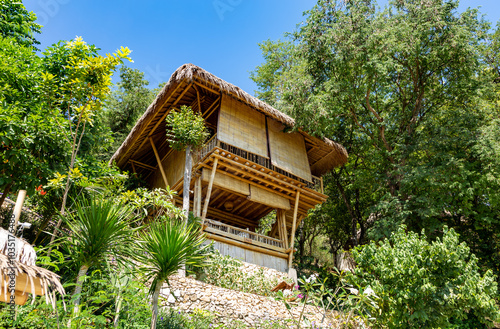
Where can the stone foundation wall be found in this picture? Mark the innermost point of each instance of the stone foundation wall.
(227, 304)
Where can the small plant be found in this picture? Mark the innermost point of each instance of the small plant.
(226, 272)
(346, 305)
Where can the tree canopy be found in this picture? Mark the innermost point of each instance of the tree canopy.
(410, 91)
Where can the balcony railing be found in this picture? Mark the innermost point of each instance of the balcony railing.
(243, 235)
(213, 142)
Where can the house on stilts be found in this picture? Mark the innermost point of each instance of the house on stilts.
(249, 167)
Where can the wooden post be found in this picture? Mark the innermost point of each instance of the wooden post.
(159, 161)
(283, 222)
(18, 209)
(198, 199)
(209, 191)
(292, 238)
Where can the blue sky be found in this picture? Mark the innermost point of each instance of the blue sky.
(221, 36)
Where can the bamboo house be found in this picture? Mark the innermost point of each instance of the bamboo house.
(249, 167)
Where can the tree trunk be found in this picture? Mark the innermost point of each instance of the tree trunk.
(78, 288)
(187, 182)
(4, 195)
(154, 305)
(74, 152)
(118, 307)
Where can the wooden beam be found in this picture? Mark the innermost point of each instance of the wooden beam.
(198, 99)
(289, 187)
(246, 246)
(211, 109)
(142, 165)
(224, 216)
(133, 168)
(207, 88)
(209, 191)
(292, 238)
(159, 161)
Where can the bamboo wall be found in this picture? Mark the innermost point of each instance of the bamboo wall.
(252, 257)
(173, 165)
(288, 150)
(241, 126)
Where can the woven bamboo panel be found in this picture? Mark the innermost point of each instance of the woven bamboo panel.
(226, 182)
(242, 126)
(174, 166)
(268, 198)
(288, 150)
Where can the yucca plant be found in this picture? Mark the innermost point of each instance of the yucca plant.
(100, 232)
(167, 246)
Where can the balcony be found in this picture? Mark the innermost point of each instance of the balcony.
(246, 239)
(253, 159)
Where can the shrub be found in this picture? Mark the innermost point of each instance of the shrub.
(425, 284)
(225, 272)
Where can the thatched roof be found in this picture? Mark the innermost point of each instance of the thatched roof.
(24, 263)
(187, 73)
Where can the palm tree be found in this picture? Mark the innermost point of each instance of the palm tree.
(168, 246)
(100, 230)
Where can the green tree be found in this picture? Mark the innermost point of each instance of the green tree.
(410, 92)
(17, 23)
(168, 247)
(100, 230)
(126, 104)
(76, 81)
(424, 284)
(32, 137)
(186, 132)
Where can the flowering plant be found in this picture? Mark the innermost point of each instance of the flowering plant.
(344, 305)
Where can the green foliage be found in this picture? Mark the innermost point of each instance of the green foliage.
(17, 23)
(32, 137)
(226, 272)
(99, 299)
(126, 104)
(100, 229)
(410, 91)
(187, 128)
(425, 284)
(167, 245)
(348, 307)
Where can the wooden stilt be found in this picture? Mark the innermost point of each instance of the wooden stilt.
(209, 191)
(283, 223)
(292, 238)
(159, 161)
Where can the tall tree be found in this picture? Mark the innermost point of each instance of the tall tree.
(77, 80)
(187, 133)
(408, 90)
(18, 23)
(32, 136)
(126, 104)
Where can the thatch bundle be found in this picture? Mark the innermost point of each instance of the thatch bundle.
(30, 279)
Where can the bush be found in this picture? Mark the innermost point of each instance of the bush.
(225, 272)
(426, 284)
